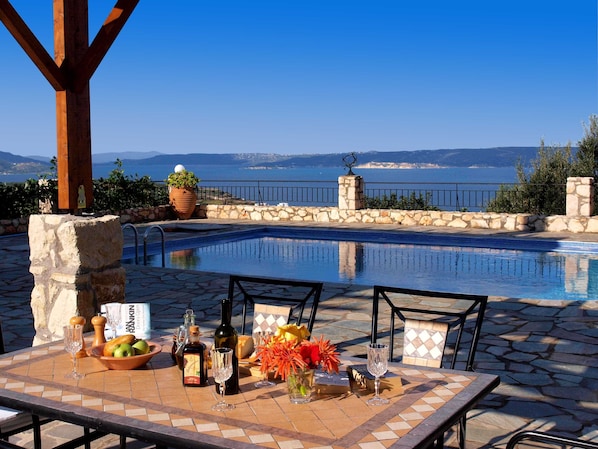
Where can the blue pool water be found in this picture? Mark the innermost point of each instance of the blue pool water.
(530, 268)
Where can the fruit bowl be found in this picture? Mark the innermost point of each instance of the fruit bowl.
(124, 363)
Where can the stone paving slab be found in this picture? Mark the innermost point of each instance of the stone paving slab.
(546, 352)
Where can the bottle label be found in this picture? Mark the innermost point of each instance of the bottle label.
(135, 318)
(192, 369)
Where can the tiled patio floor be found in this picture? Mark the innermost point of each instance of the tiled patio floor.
(546, 352)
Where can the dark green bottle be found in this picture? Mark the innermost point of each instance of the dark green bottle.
(226, 336)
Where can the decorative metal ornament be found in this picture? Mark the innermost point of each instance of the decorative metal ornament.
(350, 160)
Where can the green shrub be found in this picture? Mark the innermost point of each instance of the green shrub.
(413, 202)
(118, 191)
(113, 194)
(541, 189)
(19, 199)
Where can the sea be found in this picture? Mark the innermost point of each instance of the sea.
(417, 175)
(159, 173)
(449, 188)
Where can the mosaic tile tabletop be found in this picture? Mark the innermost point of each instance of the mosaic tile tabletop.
(153, 404)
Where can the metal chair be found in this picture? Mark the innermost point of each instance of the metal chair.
(298, 295)
(458, 311)
(427, 318)
(13, 422)
(550, 439)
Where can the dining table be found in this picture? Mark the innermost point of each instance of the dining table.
(151, 404)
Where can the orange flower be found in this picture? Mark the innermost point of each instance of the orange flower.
(287, 356)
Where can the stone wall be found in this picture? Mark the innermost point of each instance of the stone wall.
(578, 219)
(14, 226)
(580, 196)
(75, 262)
(461, 220)
(136, 215)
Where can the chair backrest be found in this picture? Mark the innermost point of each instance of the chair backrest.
(298, 295)
(462, 313)
(424, 342)
(267, 318)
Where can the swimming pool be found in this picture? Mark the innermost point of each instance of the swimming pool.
(518, 268)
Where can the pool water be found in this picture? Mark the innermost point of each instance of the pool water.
(504, 267)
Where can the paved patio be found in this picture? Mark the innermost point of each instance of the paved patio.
(546, 352)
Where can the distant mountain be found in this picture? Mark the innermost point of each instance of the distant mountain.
(237, 159)
(12, 164)
(102, 158)
(466, 157)
(460, 157)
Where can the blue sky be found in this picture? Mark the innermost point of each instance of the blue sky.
(318, 76)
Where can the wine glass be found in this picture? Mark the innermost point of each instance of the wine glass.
(73, 342)
(259, 339)
(377, 366)
(222, 370)
(113, 316)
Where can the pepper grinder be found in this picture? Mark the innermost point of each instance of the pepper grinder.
(79, 320)
(99, 323)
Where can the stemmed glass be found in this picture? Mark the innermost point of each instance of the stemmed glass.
(377, 366)
(222, 370)
(259, 339)
(73, 342)
(113, 316)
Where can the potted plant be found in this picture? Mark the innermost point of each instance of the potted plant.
(181, 191)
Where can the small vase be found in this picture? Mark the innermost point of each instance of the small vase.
(300, 385)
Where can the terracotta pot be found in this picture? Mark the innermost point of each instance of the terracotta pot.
(183, 201)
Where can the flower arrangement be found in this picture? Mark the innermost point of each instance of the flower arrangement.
(288, 351)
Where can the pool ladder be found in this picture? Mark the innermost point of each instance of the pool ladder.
(145, 236)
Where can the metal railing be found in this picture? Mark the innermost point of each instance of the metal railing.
(445, 196)
(296, 193)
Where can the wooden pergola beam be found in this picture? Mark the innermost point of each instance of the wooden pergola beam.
(69, 74)
(34, 49)
(104, 39)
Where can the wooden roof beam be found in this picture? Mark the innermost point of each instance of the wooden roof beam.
(106, 36)
(34, 49)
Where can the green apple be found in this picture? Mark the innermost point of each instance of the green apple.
(141, 347)
(124, 350)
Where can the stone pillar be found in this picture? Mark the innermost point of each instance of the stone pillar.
(350, 192)
(75, 262)
(580, 197)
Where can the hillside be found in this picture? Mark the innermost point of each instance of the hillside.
(13, 164)
(467, 157)
(463, 157)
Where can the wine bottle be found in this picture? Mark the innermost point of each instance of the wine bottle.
(225, 336)
(195, 365)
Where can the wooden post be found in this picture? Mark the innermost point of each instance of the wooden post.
(73, 127)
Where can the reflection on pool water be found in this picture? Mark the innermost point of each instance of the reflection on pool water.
(540, 269)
